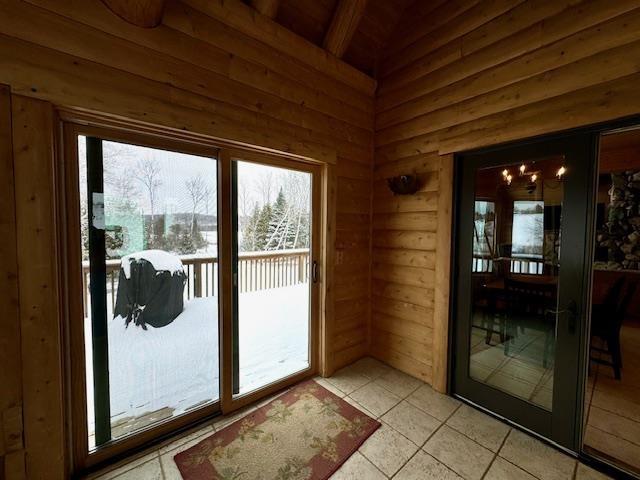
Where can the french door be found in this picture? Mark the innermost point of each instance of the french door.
(193, 283)
(523, 214)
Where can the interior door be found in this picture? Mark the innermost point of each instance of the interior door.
(522, 221)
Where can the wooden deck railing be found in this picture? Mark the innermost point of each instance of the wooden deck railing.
(256, 271)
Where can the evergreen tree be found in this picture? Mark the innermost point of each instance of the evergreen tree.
(262, 227)
(249, 231)
(278, 224)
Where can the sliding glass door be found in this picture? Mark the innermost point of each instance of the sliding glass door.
(149, 268)
(273, 271)
(193, 283)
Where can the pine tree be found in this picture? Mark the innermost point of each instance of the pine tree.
(277, 234)
(249, 231)
(262, 227)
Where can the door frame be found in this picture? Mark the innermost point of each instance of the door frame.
(71, 124)
(594, 131)
(559, 423)
(231, 402)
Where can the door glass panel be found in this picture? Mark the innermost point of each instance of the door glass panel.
(612, 400)
(150, 285)
(515, 270)
(273, 274)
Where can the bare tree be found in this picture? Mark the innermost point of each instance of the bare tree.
(148, 173)
(197, 190)
(264, 186)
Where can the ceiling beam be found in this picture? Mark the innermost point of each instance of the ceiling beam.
(266, 7)
(343, 25)
(243, 18)
(143, 13)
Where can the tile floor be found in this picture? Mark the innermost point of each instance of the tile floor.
(613, 406)
(424, 435)
(521, 372)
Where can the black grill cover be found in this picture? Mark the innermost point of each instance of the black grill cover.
(149, 296)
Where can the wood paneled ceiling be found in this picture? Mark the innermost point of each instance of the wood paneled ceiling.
(354, 30)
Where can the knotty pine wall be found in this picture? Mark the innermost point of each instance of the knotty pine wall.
(194, 72)
(462, 74)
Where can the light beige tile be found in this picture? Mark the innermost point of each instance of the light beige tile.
(478, 426)
(459, 453)
(612, 402)
(587, 473)
(615, 447)
(187, 439)
(434, 403)
(510, 384)
(358, 468)
(388, 450)
(370, 368)
(147, 471)
(615, 424)
(124, 466)
(348, 380)
(424, 467)
(351, 401)
(502, 470)
(324, 383)
(375, 398)
(535, 457)
(412, 422)
(169, 467)
(399, 383)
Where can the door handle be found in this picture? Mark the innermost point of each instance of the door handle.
(572, 313)
(314, 271)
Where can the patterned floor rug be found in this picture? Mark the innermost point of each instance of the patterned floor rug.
(304, 434)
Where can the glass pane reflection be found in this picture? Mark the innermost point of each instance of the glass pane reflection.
(516, 246)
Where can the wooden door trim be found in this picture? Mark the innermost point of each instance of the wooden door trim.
(70, 125)
(316, 363)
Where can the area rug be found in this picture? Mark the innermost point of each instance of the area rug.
(304, 434)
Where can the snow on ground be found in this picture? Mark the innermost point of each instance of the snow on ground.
(177, 366)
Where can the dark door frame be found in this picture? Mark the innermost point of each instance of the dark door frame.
(593, 132)
(558, 424)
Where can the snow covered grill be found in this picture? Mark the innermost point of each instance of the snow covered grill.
(150, 288)
(257, 271)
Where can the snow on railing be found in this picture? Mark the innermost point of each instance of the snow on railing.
(256, 271)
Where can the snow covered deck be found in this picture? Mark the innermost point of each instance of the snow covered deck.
(173, 369)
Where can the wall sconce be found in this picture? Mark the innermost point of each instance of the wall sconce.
(403, 184)
(523, 168)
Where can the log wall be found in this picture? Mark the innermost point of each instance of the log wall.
(213, 69)
(463, 74)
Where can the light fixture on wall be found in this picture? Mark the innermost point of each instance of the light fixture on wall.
(404, 184)
(523, 169)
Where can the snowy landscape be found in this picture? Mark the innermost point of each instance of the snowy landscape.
(168, 217)
(177, 366)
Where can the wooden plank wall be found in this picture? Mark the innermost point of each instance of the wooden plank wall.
(463, 74)
(11, 429)
(196, 73)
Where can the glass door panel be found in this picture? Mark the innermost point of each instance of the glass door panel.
(520, 282)
(150, 278)
(272, 274)
(516, 251)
